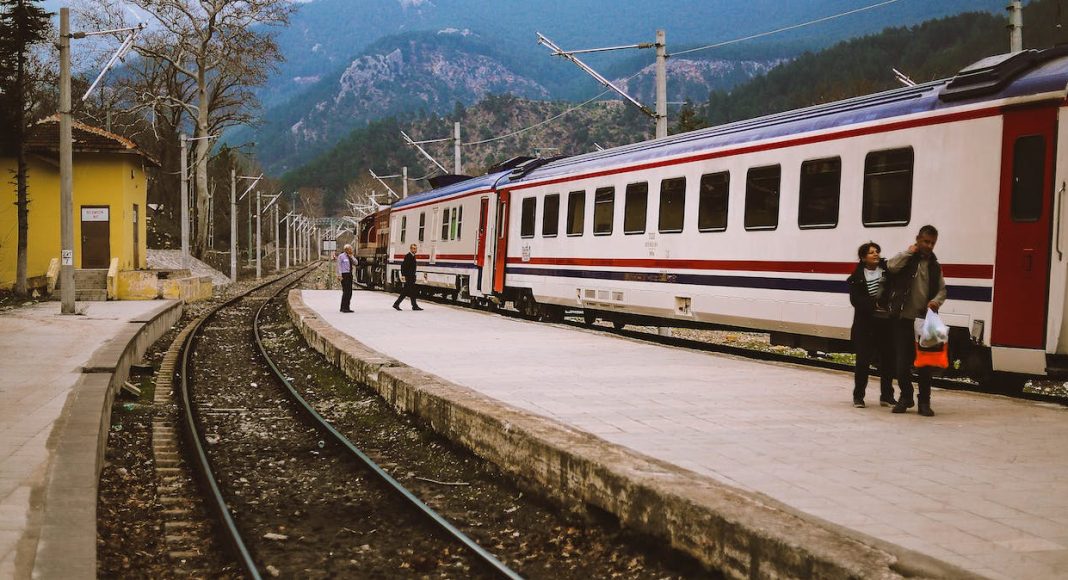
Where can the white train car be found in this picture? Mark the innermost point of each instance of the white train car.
(449, 226)
(756, 224)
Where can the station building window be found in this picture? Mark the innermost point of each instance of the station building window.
(604, 203)
(550, 217)
(762, 197)
(576, 212)
(672, 205)
(888, 187)
(821, 186)
(635, 208)
(422, 224)
(1028, 175)
(403, 228)
(712, 206)
(526, 225)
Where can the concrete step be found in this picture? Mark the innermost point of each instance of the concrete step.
(95, 278)
(93, 295)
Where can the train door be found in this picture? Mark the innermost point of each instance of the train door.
(1021, 265)
(480, 251)
(501, 246)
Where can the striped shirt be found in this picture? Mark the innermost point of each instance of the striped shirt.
(873, 278)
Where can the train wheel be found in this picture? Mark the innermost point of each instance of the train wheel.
(618, 324)
(589, 317)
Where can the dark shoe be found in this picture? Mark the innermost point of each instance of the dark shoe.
(925, 410)
(887, 403)
(900, 407)
(858, 403)
(395, 307)
(348, 311)
(416, 308)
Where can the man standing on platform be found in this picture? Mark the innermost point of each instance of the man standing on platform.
(917, 285)
(345, 266)
(408, 273)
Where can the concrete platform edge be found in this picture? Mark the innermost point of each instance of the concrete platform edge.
(66, 547)
(743, 534)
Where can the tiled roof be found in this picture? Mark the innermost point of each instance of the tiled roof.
(43, 137)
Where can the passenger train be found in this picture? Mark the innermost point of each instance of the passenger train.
(755, 224)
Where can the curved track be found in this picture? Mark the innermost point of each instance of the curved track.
(336, 456)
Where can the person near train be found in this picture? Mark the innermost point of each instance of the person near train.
(345, 267)
(871, 330)
(408, 273)
(916, 284)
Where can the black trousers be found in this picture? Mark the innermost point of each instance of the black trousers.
(905, 343)
(346, 290)
(407, 290)
(874, 343)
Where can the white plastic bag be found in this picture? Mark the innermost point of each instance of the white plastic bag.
(931, 331)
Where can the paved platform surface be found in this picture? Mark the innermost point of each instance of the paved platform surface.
(983, 485)
(41, 357)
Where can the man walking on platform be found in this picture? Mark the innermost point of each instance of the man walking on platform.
(408, 273)
(345, 266)
(917, 285)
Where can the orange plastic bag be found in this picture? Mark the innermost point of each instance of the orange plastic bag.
(934, 356)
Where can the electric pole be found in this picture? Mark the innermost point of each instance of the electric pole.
(661, 84)
(184, 200)
(66, 170)
(1015, 9)
(259, 233)
(456, 148)
(233, 225)
(277, 246)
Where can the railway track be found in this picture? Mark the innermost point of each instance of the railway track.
(292, 495)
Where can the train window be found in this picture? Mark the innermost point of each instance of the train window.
(762, 197)
(887, 187)
(635, 208)
(526, 227)
(459, 222)
(1028, 174)
(422, 224)
(712, 209)
(403, 228)
(576, 212)
(821, 185)
(445, 224)
(452, 224)
(550, 218)
(672, 205)
(604, 203)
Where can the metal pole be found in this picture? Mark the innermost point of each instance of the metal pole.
(661, 85)
(233, 225)
(277, 246)
(1015, 9)
(404, 176)
(289, 221)
(184, 200)
(259, 235)
(249, 252)
(66, 170)
(456, 148)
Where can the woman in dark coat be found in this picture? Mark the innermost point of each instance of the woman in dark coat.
(871, 325)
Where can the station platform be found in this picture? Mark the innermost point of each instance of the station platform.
(58, 377)
(772, 450)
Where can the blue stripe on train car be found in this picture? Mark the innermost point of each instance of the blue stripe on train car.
(969, 293)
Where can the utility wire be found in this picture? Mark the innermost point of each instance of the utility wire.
(787, 28)
(717, 45)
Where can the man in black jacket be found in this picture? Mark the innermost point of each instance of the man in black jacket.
(408, 273)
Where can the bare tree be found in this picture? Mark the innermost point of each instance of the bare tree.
(210, 54)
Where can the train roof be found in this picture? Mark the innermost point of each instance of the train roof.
(486, 181)
(1007, 76)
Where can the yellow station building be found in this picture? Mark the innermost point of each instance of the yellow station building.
(110, 193)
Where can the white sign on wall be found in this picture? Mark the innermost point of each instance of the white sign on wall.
(94, 214)
(329, 245)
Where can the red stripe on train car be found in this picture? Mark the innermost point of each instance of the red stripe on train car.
(977, 271)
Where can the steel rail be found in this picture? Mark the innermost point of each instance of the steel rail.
(321, 423)
(191, 422)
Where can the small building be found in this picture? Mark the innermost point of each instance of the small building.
(109, 195)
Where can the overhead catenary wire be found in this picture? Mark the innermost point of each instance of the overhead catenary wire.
(710, 46)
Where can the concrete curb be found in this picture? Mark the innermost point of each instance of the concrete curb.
(67, 544)
(742, 534)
